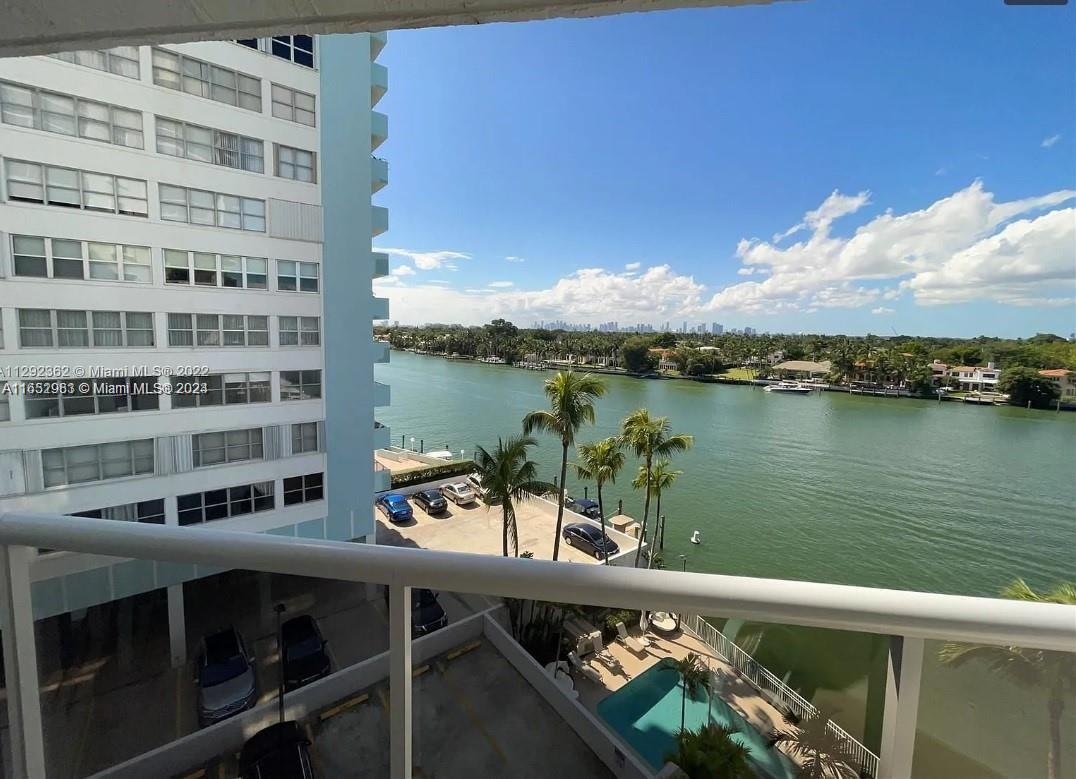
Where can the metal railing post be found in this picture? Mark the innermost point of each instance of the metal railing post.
(400, 681)
(904, 673)
(20, 665)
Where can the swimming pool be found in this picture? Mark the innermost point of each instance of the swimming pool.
(646, 714)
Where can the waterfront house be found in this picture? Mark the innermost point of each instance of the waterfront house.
(976, 378)
(665, 358)
(802, 369)
(938, 371)
(1063, 379)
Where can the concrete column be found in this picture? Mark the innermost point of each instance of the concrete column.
(400, 682)
(20, 664)
(177, 626)
(903, 677)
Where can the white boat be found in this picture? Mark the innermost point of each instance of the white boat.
(793, 387)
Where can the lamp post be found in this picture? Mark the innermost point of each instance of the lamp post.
(412, 443)
(279, 609)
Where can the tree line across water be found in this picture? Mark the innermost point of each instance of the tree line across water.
(899, 360)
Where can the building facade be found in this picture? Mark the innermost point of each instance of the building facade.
(976, 378)
(167, 304)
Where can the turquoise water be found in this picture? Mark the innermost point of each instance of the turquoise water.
(646, 714)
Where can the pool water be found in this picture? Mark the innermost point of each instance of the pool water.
(646, 714)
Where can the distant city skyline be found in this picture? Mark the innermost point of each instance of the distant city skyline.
(926, 195)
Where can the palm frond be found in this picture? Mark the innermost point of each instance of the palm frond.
(541, 422)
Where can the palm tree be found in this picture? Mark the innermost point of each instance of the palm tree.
(711, 753)
(1054, 672)
(661, 479)
(508, 477)
(600, 462)
(822, 753)
(649, 437)
(571, 399)
(694, 676)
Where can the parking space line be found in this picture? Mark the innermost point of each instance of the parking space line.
(472, 715)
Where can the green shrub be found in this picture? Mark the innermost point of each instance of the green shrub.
(425, 473)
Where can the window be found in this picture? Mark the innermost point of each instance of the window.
(5, 402)
(218, 330)
(121, 60)
(192, 142)
(197, 206)
(300, 330)
(293, 105)
(186, 74)
(295, 164)
(214, 270)
(42, 327)
(96, 462)
(107, 261)
(225, 389)
(294, 48)
(303, 489)
(36, 183)
(227, 446)
(304, 437)
(99, 396)
(300, 385)
(294, 276)
(148, 511)
(52, 112)
(226, 502)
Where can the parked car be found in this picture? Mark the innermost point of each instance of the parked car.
(426, 612)
(395, 507)
(459, 493)
(226, 682)
(280, 751)
(588, 508)
(476, 484)
(587, 538)
(431, 500)
(305, 658)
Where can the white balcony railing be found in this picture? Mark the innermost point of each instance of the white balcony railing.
(909, 618)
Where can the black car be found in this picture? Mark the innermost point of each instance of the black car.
(305, 658)
(431, 500)
(588, 508)
(280, 751)
(588, 538)
(426, 612)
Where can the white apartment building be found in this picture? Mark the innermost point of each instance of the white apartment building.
(161, 213)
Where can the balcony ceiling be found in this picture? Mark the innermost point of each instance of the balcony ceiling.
(45, 26)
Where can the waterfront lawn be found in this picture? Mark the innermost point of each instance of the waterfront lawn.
(740, 374)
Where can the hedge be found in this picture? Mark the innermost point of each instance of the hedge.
(425, 473)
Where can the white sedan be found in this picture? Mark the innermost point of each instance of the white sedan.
(459, 493)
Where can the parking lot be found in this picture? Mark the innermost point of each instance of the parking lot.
(117, 695)
(477, 529)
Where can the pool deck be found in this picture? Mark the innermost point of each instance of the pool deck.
(731, 687)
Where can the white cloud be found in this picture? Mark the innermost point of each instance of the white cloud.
(1051, 140)
(500, 284)
(438, 281)
(403, 270)
(820, 270)
(514, 259)
(426, 260)
(881, 310)
(633, 266)
(941, 171)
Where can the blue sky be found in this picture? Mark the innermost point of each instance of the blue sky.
(642, 168)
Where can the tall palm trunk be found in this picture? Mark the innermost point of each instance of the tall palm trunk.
(505, 515)
(658, 527)
(560, 503)
(646, 514)
(1053, 757)
(683, 704)
(601, 510)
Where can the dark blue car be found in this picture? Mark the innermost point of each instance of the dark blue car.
(395, 507)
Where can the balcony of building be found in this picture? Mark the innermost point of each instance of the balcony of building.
(477, 692)
(382, 436)
(377, 43)
(379, 129)
(380, 309)
(380, 219)
(379, 174)
(381, 352)
(381, 265)
(382, 395)
(379, 82)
